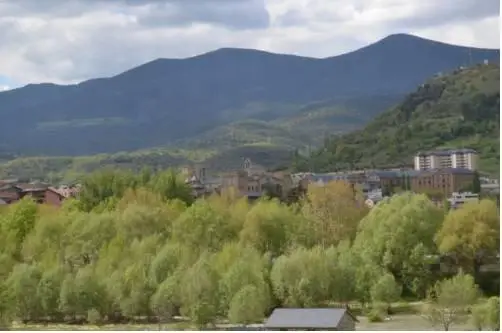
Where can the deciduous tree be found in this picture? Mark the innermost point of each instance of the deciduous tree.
(471, 232)
(392, 230)
(200, 297)
(333, 211)
(450, 299)
(486, 315)
(248, 306)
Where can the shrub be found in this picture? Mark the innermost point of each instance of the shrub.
(377, 313)
(94, 317)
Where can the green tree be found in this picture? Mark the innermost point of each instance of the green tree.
(248, 269)
(385, 290)
(266, 227)
(102, 185)
(450, 299)
(199, 292)
(22, 291)
(471, 232)
(165, 302)
(5, 308)
(86, 235)
(302, 279)
(201, 228)
(171, 185)
(49, 290)
(333, 212)
(486, 315)
(419, 276)
(68, 297)
(94, 317)
(46, 243)
(17, 224)
(390, 233)
(342, 273)
(247, 306)
(165, 263)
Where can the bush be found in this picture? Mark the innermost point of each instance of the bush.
(94, 317)
(486, 315)
(377, 313)
(375, 316)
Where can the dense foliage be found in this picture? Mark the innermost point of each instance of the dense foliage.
(458, 110)
(136, 246)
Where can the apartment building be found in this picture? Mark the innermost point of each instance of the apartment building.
(446, 159)
(446, 181)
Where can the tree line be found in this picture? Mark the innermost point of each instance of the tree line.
(137, 246)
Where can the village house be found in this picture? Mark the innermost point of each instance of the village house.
(12, 191)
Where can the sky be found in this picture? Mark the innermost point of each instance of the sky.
(69, 41)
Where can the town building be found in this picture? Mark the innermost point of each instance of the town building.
(377, 184)
(254, 181)
(42, 193)
(444, 159)
(197, 178)
(442, 181)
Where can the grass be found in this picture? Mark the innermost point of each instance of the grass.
(399, 322)
(405, 322)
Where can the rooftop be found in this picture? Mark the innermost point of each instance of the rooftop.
(447, 152)
(455, 171)
(306, 318)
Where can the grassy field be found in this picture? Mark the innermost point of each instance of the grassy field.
(401, 322)
(405, 322)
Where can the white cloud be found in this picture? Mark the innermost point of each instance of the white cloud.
(67, 41)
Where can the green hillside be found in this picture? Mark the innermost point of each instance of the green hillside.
(68, 169)
(461, 109)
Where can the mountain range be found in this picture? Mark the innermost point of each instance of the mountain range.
(224, 101)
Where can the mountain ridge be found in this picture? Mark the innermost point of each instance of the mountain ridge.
(171, 100)
(432, 114)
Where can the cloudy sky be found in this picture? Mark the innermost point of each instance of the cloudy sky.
(67, 41)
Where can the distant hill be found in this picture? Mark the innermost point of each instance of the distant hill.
(245, 96)
(461, 109)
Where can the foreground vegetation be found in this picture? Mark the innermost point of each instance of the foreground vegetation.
(136, 247)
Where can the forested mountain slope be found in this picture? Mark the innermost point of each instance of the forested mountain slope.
(461, 109)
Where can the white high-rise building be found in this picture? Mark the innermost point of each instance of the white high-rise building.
(442, 159)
